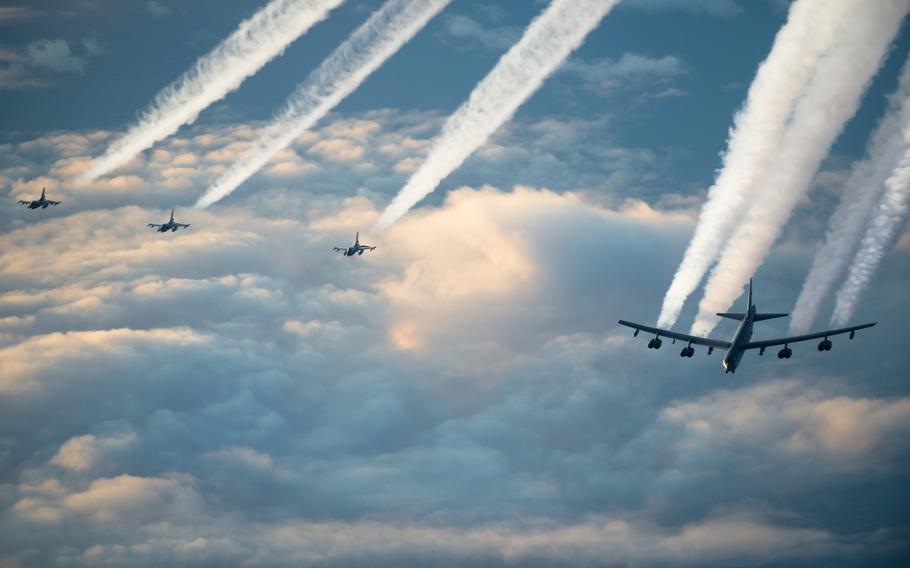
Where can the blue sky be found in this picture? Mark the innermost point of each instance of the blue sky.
(235, 394)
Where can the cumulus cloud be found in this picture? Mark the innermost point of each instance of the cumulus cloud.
(236, 394)
(84, 452)
(787, 417)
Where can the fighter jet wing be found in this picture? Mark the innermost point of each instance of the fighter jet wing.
(152, 225)
(798, 338)
(675, 335)
(182, 224)
(49, 202)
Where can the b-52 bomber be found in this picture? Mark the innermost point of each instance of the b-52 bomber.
(356, 248)
(169, 226)
(742, 339)
(40, 203)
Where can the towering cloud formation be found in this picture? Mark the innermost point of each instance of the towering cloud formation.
(891, 212)
(346, 68)
(256, 41)
(832, 97)
(861, 194)
(550, 38)
(812, 28)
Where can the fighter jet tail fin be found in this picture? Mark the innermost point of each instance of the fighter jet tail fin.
(357, 238)
(43, 189)
(172, 214)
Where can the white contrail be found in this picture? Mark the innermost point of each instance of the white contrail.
(862, 192)
(340, 74)
(889, 216)
(256, 41)
(833, 95)
(812, 28)
(548, 40)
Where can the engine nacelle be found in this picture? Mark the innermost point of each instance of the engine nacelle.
(785, 353)
(687, 351)
(824, 345)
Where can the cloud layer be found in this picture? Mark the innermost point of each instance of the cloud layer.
(235, 394)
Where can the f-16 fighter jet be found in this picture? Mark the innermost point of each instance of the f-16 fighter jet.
(42, 202)
(742, 340)
(356, 248)
(169, 226)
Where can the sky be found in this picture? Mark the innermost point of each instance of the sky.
(235, 394)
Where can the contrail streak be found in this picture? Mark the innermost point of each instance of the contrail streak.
(889, 216)
(256, 41)
(862, 191)
(549, 39)
(832, 97)
(339, 75)
(812, 28)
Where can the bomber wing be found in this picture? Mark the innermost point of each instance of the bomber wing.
(715, 343)
(808, 337)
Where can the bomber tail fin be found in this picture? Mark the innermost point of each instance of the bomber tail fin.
(763, 317)
(733, 316)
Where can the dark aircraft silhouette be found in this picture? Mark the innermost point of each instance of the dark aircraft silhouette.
(356, 248)
(169, 226)
(742, 339)
(42, 202)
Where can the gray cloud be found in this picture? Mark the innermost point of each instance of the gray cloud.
(27, 67)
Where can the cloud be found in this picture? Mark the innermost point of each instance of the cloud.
(606, 75)
(237, 394)
(84, 452)
(157, 9)
(787, 417)
(55, 55)
(22, 68)
(466, 31)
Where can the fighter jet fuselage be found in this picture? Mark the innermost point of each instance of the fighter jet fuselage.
(355, 249)
(40, 203)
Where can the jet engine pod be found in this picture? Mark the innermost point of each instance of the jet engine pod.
(784, 353)
(658, 343)
(687, 351)
(824, 345)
